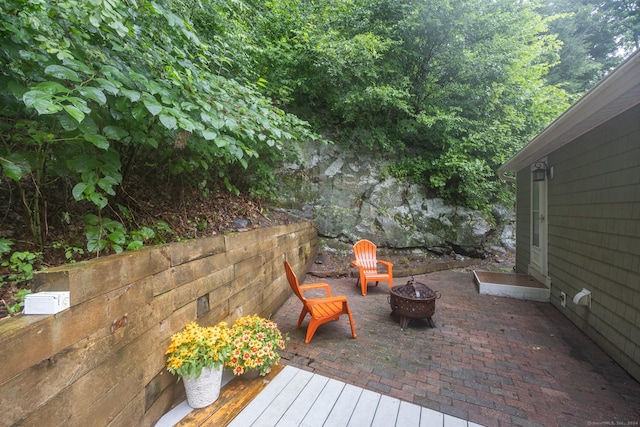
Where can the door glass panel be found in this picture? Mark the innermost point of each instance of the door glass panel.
(535, 215)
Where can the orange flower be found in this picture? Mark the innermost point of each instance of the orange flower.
(255, 340)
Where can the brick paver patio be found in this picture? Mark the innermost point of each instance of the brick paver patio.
(493, 361)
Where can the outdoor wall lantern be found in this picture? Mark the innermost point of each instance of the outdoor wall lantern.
(541, 171)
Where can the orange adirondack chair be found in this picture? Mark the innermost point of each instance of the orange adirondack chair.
(367, 263)
(322, 310)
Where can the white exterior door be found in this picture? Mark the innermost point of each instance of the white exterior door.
(538, 267)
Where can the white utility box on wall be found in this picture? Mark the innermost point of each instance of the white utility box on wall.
(46, 302)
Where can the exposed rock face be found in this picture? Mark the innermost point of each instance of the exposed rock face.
(350, 199)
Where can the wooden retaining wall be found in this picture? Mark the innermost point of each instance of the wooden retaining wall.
(102, 361)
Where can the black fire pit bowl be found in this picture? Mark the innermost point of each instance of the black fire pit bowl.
(414, 300)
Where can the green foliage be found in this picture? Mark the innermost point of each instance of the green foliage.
(21, 265)
(18, 304)
(5, 246)
(594, 36)
(95, 94)
(70, 252)
(103, 233)
(448, 88)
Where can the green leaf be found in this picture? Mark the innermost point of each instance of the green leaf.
(135, 245)
(68, 123)
(153, 106)
(77, 65)
(133, 95)
(215, 121)
(221, 142)
(117, 237)
(111, 71)
(113, 87)
(98, 199)
(51, 88)
(107, 184)
(163, 226)
(88, 126)
(62, 73)
(97, 140)
(95, 19)
(120, 28)
(209, 135)
(79, 103)
(139, 112)
(147, 233)
(115, 132)
(93, 93)
(41, 101)
(93, 234)
(11, 170)
(236, 151)
(91, 219)
(186, 124)
(78, 191)
(5, 245)
(16, 89)
(74, 112)
(231, 123)
(169, 122)
(173, 19)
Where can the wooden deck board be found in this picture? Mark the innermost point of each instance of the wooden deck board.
(291, 397)
(387, 412)
(450, 421)
(318, 413)
(284, 400)
(431, 418)
(303, 403)
(232, 400)
(408, 415)
(258, 405)
(343, 408)
(365, 409)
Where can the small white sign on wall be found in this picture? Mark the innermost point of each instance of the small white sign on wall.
(46, 302)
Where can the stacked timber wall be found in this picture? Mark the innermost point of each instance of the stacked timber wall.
(101, 362)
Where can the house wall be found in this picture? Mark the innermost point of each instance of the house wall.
(594, 234)
(102, 362)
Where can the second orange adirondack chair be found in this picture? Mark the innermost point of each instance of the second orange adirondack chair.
(367, 263)
(322, 310)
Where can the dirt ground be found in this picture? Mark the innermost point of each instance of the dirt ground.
(337, 263)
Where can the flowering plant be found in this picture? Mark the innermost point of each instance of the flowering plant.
(197, 347)
(255, 342)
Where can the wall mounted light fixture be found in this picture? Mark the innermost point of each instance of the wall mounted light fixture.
(541, 171)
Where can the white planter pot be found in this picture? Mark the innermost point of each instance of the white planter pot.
(205, 389)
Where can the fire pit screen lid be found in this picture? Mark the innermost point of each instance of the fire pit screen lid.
(414, 290)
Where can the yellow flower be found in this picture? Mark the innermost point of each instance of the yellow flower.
(196, 347)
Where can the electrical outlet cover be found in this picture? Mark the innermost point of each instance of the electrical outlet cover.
(46, 302)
